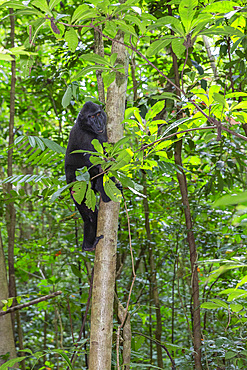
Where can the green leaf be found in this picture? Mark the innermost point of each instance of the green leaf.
(39, 143)
(32, 141)
(241, 105)
(222, 31)
(230, 354)
(90, 198)
(242, 282)
(220, 303)
(170, 22)
(71, 38)
(123, 159)
(118, 144)
(220, 99)
(76, 271)
(157, 46)
(11, 363)
(79, 190)
(81, 9)
(236, 307)
(6, 57)
(97, 146)
(187, 10)
(42, 5)
(108, 78)
(235, 95)
(67, 97)
(209, 305)
(127, 28)
(53, 146)
(213, 89)
(220, 7)
(231, 199)
(156, 108)
(216, 303)
(88, 70)
(95, 58)
(58, 193)
(111, 190)
(13, 4)
(29, 11)
(178, 47)
(66, 358)
(113, 58)
(82, 12)
(53, 3)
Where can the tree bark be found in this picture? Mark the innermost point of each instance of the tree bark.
(10, 208)
(196, 320)
(105, 254)
(7, 343)
(193, 258)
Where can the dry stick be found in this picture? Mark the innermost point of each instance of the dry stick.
(161, 345)
(35, 301)
(131, 287)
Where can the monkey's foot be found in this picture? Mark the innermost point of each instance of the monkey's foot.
(92, 247)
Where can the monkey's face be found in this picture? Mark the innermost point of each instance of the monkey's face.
(92, 118)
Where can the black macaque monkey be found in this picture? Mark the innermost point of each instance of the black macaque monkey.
(90, 124)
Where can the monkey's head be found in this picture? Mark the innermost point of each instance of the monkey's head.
(92, 118)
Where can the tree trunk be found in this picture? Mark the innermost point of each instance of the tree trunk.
(105, 254)
(10, 208)
(193, 258)
(7, 343)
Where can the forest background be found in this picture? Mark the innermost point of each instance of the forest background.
(181, 66)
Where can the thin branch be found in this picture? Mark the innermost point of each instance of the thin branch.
(35, 301)
(161, 345)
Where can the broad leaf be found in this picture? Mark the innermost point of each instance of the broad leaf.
(231, 199)
(90, 198)
(157, 46)
(95, 58)
(67, 97)
(111, 190)
(79, 190)
(97, 146)
(156, 108)
(187, 10)
(71, 38)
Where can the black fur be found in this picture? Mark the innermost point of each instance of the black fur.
(90, 124)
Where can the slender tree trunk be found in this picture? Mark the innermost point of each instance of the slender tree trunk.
(193, 257)
(7, 343)
(10, 208)
(105, 254)
(153, 280)
(190, 234)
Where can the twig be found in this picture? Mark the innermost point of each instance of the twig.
(35, 301)
(161, 345)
